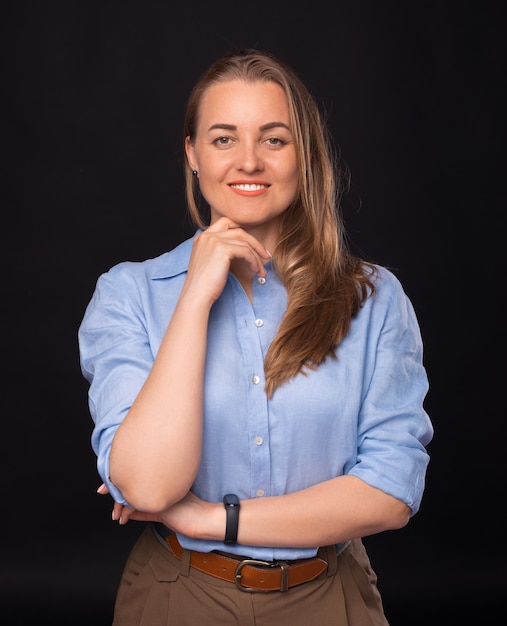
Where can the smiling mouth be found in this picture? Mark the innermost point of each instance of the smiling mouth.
(249, 186)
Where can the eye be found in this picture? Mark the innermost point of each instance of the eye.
(222, 141)
(275, 142)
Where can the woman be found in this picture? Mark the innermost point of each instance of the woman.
(258, 391)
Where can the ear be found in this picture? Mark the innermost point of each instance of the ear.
(190, 152)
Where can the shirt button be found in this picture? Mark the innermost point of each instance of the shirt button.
(261, 280)
(259, 492)
(259, 323)
(256, 380)
(258, 440)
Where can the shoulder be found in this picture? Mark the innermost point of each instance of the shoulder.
(129, 282)
(385, 280)
(389, 294)
(166, 265)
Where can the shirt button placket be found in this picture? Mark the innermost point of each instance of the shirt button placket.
(260, 470)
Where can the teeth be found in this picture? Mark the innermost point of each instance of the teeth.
(249, 187)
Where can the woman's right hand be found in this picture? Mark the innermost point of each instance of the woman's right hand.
(214, 250)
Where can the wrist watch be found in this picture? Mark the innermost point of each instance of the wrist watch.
(231, 504)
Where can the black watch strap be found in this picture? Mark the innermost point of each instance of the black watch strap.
(231, 504)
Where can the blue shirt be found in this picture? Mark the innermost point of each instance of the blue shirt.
(361, 414)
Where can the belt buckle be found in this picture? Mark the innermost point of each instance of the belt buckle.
(283, 565)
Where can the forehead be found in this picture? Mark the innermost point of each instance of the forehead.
(244, 102)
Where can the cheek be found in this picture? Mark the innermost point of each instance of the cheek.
(291, 170)
(210, 184)
(213, 168)
(293, 179)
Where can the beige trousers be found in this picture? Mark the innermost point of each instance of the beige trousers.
(156, 589)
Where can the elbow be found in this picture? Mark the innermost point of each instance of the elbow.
(147, 486)
(385, 511)
(147, 499)
(151, 492)
(398, 515)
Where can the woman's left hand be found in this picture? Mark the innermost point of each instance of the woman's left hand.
(122, 513)
(186, 516)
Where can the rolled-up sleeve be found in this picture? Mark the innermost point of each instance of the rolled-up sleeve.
(115, 358)
(393, 427)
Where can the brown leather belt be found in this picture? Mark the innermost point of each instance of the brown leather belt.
(252, 574)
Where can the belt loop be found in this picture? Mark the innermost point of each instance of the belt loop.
(331, 558)
(185, 562)
(284, 566)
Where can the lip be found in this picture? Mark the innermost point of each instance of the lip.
(249, 187)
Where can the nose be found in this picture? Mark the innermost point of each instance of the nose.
(249, 157)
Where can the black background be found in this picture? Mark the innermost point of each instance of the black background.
(91, 114)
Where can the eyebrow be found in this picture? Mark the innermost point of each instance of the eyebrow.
(268, 126)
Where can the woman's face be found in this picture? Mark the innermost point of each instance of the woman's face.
(244, 153)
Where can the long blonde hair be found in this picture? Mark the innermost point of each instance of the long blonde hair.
(326, 285)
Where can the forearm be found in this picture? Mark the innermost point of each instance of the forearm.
(331, 512)
(156, 451)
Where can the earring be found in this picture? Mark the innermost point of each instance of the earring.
(194, 173)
